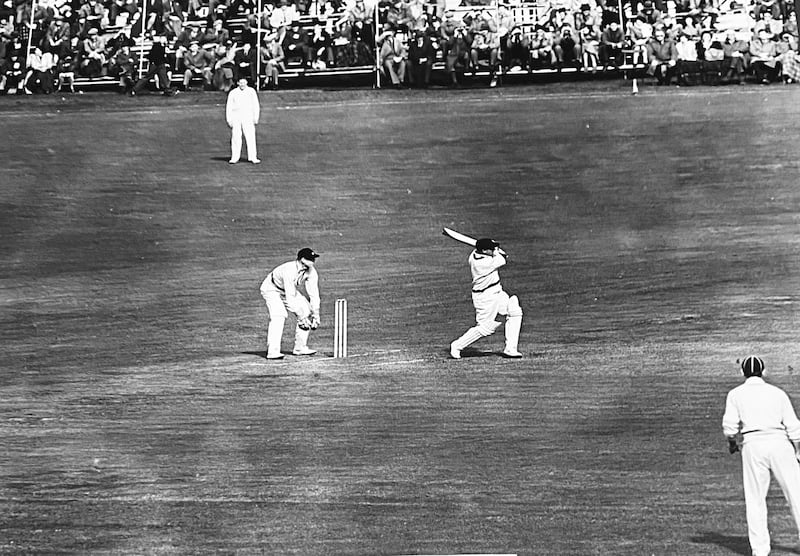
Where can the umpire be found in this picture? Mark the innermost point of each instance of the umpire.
(760, 418)
(157, 66)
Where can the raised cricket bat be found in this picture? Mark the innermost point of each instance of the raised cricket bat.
(463, 238)
(459, 236)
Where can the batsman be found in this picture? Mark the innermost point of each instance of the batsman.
(281, 290)
(490, 300)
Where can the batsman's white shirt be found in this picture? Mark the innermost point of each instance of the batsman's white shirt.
(242, 106)
(488, 296)
(286, 280)
(484, 270)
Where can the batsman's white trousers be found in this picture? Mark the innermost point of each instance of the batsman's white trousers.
(488, 304)
(248, 129)
(278, 310)
(759, 456)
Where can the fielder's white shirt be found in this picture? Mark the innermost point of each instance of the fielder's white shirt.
(288, 277)
(759, 409)
(484, 270)
(242, 106)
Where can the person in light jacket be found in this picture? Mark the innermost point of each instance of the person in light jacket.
(242, 112)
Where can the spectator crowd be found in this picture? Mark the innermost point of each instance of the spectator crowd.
(209, 44)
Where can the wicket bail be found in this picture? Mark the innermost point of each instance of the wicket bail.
(340, 329)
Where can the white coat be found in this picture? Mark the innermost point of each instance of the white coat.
(242, 113)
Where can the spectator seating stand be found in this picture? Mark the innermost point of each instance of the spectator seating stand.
(528, 15)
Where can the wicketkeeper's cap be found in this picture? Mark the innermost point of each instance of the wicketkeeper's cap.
(752, 365)
(307, 253)
(485, 244)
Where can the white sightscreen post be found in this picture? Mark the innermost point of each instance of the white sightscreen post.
(141, 39)
(376, 22)
(30, 32)
(258, 49)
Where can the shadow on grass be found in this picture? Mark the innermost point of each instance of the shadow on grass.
(472, 352)
(263, 355)
(737, 544)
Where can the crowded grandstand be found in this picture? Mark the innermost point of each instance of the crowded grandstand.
(139, 46)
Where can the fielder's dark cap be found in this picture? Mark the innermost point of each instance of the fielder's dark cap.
(485, 243)
(752, 365)
(307, 253)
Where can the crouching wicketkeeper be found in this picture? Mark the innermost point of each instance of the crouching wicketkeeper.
(280, 289)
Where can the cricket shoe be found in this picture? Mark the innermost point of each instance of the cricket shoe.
(512, 354)
(232, 161)
(304, 351)
(255, 161)
(275, 357)
(455, 353)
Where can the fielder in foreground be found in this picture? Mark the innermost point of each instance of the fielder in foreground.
(241, 113)
(490, 300)
(762, 418)
(280, 289)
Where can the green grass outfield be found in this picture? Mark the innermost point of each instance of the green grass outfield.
(653, 240)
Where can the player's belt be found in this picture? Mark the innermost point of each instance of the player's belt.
(274, 283)
(486, 288)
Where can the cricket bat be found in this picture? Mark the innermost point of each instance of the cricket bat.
(463, 238)
(459, 237)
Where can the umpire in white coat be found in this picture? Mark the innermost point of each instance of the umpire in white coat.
(760, 418)
(241, 112)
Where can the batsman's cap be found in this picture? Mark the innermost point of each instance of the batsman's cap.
(307, 253)
(485, 244)
(752, 365)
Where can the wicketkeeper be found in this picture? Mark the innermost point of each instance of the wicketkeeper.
(281, 290)
(760, 420)
(490, 301)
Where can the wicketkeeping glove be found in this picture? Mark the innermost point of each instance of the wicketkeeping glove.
(314, 322)
(304, 323)
(733, 444)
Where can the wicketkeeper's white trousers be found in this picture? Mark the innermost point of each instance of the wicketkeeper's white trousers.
(277, 309)
(759, 457)
(248, 129)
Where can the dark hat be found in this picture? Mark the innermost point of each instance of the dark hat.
(307, 253)
(485, 244)
(752, 366)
